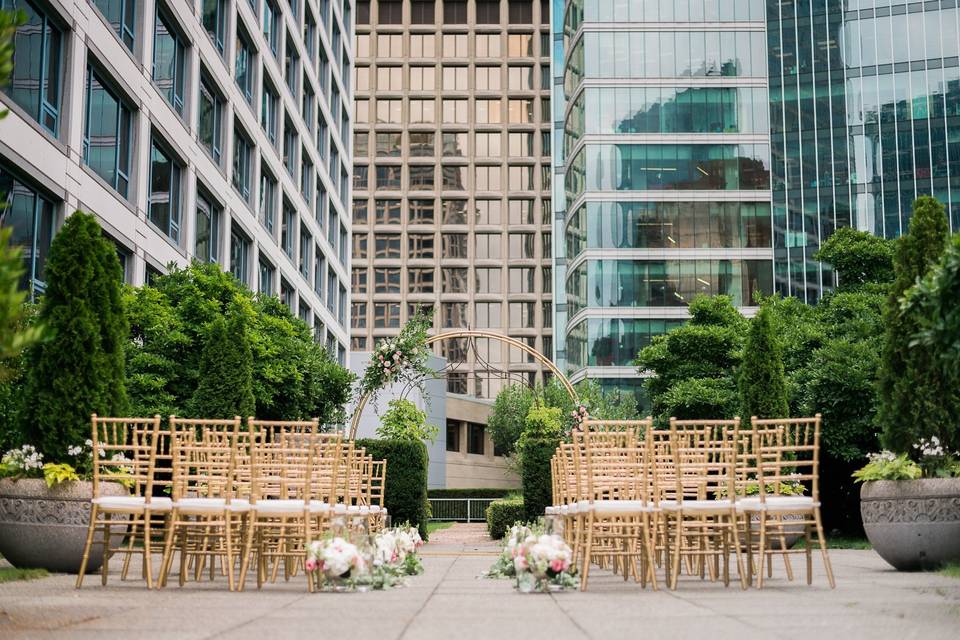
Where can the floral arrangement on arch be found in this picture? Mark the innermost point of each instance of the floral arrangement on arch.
(401, 358)
(579, 416)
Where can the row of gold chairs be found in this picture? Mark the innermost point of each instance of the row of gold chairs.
(634, 498)
(246, 495)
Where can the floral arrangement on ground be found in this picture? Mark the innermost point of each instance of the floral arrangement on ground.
(536, 560)
(361, 562)
(402, 357)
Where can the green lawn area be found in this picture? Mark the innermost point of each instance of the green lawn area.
(10, 574)
(436, 526)
(952, 570)
(842, 542)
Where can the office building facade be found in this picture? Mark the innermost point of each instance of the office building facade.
(451, 184)
(209, 130)
(665, 156)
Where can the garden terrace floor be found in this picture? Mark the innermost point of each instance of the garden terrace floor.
(449, 601)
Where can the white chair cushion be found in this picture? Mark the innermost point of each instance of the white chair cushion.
(132, 503)
(777, 503)
(701, 506)
(615, 506)
(667, 505)
(374, 508)
(211, 505)
(279, 507)
(551, 511)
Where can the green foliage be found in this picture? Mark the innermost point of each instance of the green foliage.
(16, 332)
(507, 416)
(482, 492)
(405, 493)
(763, 389)
(404, 421)
(692, 366)
(543, 422)
(54, 474)
(401, 358)
(535, 475)
(79, 370)
(886, 466)
(226, 367)
(503, 514)
(912, 388)
(9, 21)
(293, 377)
(858, 257)
(11, 574)
(933, 305)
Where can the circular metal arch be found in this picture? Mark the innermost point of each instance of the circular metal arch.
(477, 333)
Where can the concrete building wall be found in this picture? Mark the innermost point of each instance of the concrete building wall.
(468, 465)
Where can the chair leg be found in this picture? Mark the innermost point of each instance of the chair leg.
(649, 543)
(823, 548)
(147, 557)
(808, 551)
(247, 550)
(763, 548)
(132, 532)
(674, 572)
(748, 534)
(228, 534)
(167, 558)
(585, 560)
(86, 547)
(735, 532)
(105, 567)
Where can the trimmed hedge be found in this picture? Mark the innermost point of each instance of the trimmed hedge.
(503, 514)
(535, 455)
(405, 494)
(471, 493)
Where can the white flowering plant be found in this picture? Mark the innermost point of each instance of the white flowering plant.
(376, 562)
(544, 563)
(27, 462)
(935, 462)
(335, 558)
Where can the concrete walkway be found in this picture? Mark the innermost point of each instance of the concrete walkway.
(450, 602)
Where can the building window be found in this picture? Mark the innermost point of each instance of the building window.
(290, 144)
(122, 15)
(421, 177)
(386, 315)
(287, 224)
(243, 68)
(306, 245)
(386, 280)
(33, 220)
(269, 108)
(454, 245)
(388, 176)
(35, 76)
(208, 230)
(390, 12)
(420, 212)
(358, 315)
(420, 280)
(164, 197)
(291, 66)
(453, 435)
(239, 256)
(107, 134)
(457, 383)
(455, 12)
(242, 160)
(453, 315)
(210, 119)
(488, 280)
(271, 25)
(169, 54)
(521, 12)
(215, 21)
(454, 279)
(265, 282)
(422, 45)
(476, 432)
(420, 246)
(268, 200)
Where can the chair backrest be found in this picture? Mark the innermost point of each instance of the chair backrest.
(787, 452)
(205, 458)
(616, 465)
(705, 458)
(124, 450)
(378, 482)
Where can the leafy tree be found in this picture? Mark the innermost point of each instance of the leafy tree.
(698, 399)
(762, 385)
(933, 305)
(912, 387)
(226, 368)
(858, 257)
(404, 421)
(80, 369)
(507, 416)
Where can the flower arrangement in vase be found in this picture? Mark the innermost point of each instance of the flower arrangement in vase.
(543, 563)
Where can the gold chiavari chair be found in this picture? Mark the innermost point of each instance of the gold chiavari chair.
(788, 452)
(377, 493)
(616, 512)
(208, 501)
(123, 451)
(705, 518)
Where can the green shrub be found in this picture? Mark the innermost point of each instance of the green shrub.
(503, 514)
(404, 421)
(79, 370)
(535, 475)
(483, 492)
(911, 385)
(699, 399)
(858, 257)
(226, 368)
(405, 494)
(510, 409)
(762, 385)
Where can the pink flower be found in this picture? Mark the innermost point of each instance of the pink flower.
(311, 565)
(557, 565)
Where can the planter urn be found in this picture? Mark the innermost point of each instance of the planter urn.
(46, 528)
(913, 524)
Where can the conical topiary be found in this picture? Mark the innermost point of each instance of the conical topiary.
(225, 388)
(762, 385)
(79, 370)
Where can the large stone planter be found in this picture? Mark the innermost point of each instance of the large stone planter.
(913, 524)
(47, 528)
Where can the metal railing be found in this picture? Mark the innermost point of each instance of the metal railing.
(460, 509)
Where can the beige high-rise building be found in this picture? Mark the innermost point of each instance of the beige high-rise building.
(451, 187)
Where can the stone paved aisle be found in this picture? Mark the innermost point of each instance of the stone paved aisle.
(450, 602)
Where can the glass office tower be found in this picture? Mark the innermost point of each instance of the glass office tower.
(865, 117)
(666, 179)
